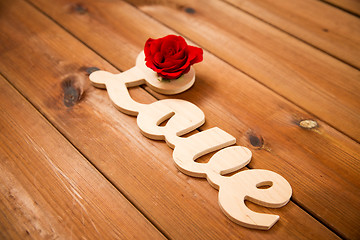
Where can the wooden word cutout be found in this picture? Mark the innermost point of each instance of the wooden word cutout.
(184, 117)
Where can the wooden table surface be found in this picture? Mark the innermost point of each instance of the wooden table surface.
(281, 76)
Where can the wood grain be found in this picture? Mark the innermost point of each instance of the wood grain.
(306, 76)
(349, 5)
(49, 190)
(182, 207)
(320, 163)
(330, 29)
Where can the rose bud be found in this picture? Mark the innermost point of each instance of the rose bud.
(170, 56)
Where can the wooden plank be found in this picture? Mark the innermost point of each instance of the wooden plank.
(320, 163)
(319, 24)
(181, 206)
(49, 190)
(306, 76)
(349, 5)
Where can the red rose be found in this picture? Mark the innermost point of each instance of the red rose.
(170, 56)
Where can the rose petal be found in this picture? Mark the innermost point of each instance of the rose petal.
(179, 55)
(158, 59)
(168, 48)
(170, 64)
(150, 65)
(186, 70)
(171, 75)
(195, 54)
(174, 61)
(155, 47)
(151, 47)
(172, 44)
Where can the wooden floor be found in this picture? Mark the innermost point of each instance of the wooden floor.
(281, 76)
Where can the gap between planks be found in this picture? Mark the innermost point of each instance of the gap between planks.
(343, 8)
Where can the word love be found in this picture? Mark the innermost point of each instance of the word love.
(184, 117)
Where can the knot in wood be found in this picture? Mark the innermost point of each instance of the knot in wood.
(79, 8)
(72, 91)
(255, 140)
(308, 124)
(71, 96)
(189, 10)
